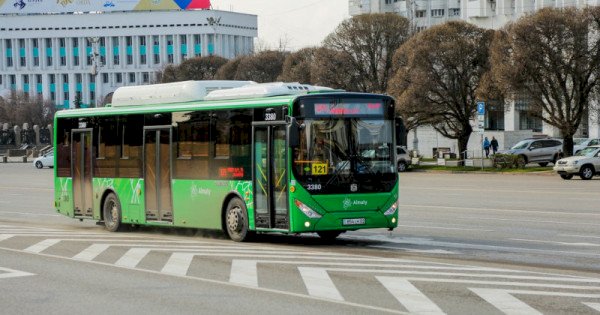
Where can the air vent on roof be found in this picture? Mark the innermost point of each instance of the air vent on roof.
(176, 92)
(263, 90)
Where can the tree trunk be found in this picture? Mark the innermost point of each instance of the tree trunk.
(463, 141)
(567, 145)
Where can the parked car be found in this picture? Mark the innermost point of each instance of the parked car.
(402, 159)
(45, 160)
(541, 151)
(582, 143)
(586, 164)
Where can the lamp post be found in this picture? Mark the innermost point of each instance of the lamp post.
(96, 64)
(214, 22)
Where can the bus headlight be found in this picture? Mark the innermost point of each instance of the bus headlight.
(306, 210)
(392, 209)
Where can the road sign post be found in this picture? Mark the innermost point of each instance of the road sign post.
(481, 125)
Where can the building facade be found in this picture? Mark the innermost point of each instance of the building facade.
(86, 56)
(508, 122)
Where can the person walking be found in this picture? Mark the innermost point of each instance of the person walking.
(494, 145)
(486, 147)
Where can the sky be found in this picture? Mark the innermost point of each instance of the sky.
(295, 23)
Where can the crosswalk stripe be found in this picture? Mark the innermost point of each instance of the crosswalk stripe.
(91, 252)
(505, 302)
(319, 284)
(595, 306)
(178, 264)
(409, 296)
(244, 272)
(132, 257)
(5, 236)
(41, 246)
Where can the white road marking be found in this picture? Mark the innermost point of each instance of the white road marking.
(409, 296)
(244, 272)
(580, 236)
(178, 264)
(595, 306)
(534, 220)
(12, 273)
(318, 283)
(31, 214)
(427, 242)
(443, 228)
(505, 302)
(501, 210)
(91, 252)
(555, 242)
(132, 257)
(41, 246)
(5, 236)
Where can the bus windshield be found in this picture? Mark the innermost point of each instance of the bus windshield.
(345, 155)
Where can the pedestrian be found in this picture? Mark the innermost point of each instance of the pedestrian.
(486, 147)
(494, 145)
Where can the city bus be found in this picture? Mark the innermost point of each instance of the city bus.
(240, 157)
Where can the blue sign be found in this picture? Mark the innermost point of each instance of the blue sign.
(481, 108)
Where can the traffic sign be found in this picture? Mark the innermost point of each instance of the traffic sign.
(481, 108)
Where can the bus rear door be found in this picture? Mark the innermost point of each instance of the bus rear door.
(81, 150)
(157, 173)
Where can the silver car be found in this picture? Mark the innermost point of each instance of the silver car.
(541, 151)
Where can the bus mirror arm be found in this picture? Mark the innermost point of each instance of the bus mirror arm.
(293, 131)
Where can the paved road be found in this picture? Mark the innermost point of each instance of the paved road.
(467, 244)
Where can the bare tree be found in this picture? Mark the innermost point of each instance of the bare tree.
(229, 69)
(199, 68)
(297, 66)
(20, 108)
(334, 69)
(369, 41)
(554, 57)
(263, 67)
(439, 72)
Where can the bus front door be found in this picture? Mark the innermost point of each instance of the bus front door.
(157, 174)
(270, 177)
(81, 150)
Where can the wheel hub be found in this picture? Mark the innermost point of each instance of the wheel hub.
(233, 219)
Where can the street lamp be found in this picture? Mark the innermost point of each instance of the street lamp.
(214, 22)
(96, 63)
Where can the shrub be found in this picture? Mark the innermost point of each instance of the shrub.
(502, 161)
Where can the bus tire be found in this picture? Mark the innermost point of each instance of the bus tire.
(111, 211)
(236, 221)
(329, 236)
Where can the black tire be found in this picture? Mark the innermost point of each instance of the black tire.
(402, 166)
(329, 236)
(566, 176)
(111, 211)
(543, 164)
(39, 164)
(236, 221)
(586, 172)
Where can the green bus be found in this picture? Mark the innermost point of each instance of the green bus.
(240, 157)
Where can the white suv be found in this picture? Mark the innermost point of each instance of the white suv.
(402, 159)
(586, 163)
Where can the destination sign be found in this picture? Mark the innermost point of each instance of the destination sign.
(350, 108)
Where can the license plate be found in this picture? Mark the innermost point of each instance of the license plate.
(355, 221)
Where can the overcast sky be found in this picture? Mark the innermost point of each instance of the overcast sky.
(299, 23)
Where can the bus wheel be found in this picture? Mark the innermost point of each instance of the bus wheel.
(236, 221)
(112, 213)
(329, 236)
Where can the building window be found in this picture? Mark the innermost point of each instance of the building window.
(420, 13)
(143, 59)
(437, 12)
(52, 78)
(131, 77)
(65, 78)
(454, 12)
(145, 77)
(105, 78)
(118, 78)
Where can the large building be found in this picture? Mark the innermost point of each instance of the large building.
(508, 123)
(73, 55)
